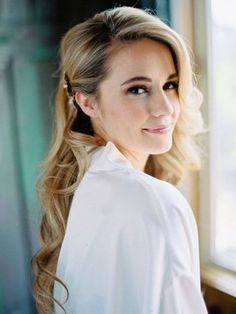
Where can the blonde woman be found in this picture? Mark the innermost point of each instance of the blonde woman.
(117, 236)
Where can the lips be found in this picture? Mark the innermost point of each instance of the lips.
(160, 129)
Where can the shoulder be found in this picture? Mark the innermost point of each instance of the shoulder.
(137, 191)
(118, 192)
(131, 196)
(138, 208)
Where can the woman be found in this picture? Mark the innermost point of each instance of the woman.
(117, 236)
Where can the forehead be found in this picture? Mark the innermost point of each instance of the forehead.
(144, 56)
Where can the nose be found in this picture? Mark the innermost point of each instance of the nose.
(160, 104)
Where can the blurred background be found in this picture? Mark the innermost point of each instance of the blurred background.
(30, 31)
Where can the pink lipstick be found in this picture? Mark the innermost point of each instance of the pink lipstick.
(162, 129)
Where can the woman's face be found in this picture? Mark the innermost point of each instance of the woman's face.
(139, 96)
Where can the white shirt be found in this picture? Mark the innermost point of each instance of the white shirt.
(131, 244)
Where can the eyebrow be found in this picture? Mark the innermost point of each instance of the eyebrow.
(147, 79)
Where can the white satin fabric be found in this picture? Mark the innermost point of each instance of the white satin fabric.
(131, 244)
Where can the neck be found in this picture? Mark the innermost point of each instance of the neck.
(137, 160)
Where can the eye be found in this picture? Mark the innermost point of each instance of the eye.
(136, 89)
(171, 85)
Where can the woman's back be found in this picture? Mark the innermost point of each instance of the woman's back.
(119, 236)
(131, 244)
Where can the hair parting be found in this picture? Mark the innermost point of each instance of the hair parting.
(86, 50)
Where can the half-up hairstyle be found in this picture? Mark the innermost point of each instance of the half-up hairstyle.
(85, 53)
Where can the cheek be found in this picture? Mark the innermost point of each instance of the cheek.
(116, 110)
(126, 112)
(136, 116)
(177, 110)
(176, 106)
(136, 110)
(113, 115)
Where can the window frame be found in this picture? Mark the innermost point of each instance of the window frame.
(192, 20)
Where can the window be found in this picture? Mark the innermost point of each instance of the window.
(209, 26)
(223, 138)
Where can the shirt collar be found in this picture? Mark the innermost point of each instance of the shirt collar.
(108, 157)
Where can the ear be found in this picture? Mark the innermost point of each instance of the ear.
(87, 104)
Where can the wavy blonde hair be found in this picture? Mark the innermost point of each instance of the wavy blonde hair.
(86, 50)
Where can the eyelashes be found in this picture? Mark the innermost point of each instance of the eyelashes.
(171, 85)
(135, 90)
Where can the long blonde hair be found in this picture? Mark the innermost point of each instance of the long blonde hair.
(85, 51)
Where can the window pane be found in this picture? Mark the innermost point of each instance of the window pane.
(223, 152)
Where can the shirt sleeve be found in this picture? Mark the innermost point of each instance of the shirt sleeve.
(183, 297)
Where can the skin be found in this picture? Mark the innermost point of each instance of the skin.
(122, 113)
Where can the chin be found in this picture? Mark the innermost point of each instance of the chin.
(160, 149)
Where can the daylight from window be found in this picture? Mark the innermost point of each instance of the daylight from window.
(223, 144)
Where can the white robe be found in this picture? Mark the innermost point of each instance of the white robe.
(131, 244)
